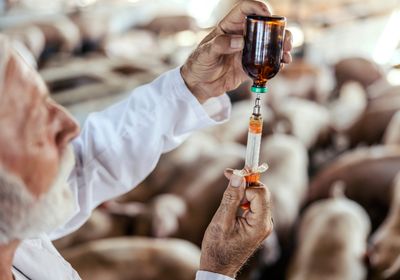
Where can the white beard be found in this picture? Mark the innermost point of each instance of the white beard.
(22, 216)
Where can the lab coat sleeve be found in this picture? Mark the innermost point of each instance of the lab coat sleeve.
(205, 275)
(120, 146)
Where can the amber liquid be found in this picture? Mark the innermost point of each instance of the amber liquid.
(263, 49)
(256, 124)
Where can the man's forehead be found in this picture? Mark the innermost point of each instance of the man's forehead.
(5, 51)
(13, 68)
(37, 81)
(29, 74)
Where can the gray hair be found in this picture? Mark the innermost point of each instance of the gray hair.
(23, 215)
(13, 193)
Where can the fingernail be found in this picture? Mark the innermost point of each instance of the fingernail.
(237, 43)
(236, 181)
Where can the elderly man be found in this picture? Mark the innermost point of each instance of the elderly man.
(48, 187)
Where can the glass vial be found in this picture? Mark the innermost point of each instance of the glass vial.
(263, 49)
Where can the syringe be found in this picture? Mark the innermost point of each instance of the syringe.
(254, 137)
(252, 170)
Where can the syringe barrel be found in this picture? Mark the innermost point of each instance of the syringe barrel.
(253, 142)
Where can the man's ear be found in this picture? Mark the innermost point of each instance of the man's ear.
(393, 272)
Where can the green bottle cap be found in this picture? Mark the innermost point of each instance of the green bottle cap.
(259, 89)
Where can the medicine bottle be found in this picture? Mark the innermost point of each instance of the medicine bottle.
(263, 49)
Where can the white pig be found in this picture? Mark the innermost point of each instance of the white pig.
(286, 178)
(331, 241)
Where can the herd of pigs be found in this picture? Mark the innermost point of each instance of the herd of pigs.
(334, 175)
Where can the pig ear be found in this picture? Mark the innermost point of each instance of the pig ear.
(337, 189)
(392, 271)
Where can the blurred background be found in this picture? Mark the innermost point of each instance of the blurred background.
(331, 122)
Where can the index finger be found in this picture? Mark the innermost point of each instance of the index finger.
(288, 41)
(233, 23)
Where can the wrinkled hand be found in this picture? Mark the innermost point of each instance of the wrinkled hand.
(230, 239)
(216, 65)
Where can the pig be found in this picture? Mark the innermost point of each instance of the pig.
(135, 258)
(357, 69)
(287, 179)
(308, 121)
(349, 107)
(370, 128)
(367, 173)
(385, 242)
(332, 241)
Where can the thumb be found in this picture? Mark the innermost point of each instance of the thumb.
(231, 200)
(228, 173)
(221, 45)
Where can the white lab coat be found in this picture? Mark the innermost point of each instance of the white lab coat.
(115, 151)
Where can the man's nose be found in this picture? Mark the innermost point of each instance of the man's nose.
(67, 128)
